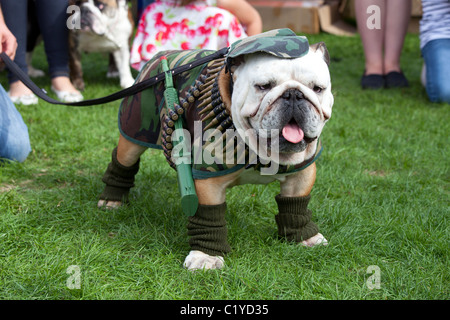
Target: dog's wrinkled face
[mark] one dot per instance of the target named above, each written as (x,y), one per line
(284,99)
(97,15)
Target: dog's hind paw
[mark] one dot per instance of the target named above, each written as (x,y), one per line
(35,73)
(113,74)
(197,260)
(316,240)
(109,205)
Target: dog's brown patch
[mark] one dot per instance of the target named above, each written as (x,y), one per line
(224,88)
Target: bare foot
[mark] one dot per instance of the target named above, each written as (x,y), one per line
(63,84)
(373,68)
(17,89)
(20,94)
(65,91)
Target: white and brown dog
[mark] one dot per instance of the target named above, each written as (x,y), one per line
(101,26)
(281,97)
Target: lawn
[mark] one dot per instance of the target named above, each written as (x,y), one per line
(381,199)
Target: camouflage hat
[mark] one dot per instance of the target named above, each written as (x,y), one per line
(283,43)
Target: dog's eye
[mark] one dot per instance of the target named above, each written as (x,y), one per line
(99,5)
(317,89)
(264,87)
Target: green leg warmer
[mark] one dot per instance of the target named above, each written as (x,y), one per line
(208,231)
(294,219)
(118,179)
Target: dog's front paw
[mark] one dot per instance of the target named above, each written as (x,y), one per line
(126,82)
(200,260)
(109,205)
(78,83)
(316,240)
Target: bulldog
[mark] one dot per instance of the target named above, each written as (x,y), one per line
(273,93)
(101,26)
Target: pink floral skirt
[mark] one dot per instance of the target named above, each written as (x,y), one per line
(165,25)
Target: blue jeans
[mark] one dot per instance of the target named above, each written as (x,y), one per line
(436,54)
(51,16)
(14,139)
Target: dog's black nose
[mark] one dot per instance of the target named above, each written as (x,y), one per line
(293,95)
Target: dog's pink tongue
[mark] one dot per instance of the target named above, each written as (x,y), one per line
(292,133)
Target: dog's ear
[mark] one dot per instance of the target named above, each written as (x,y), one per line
(321,47)
(233,63)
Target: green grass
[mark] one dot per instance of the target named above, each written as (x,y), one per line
(381,198)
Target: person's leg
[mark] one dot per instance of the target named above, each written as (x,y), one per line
(372,38)
(52,18)
(398,14)
(435,54)
(14,139)
(52,22)
(370,19)
(15,14)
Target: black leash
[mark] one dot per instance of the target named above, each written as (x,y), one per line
(137,87)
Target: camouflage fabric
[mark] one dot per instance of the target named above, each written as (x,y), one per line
(140,115)
(282,43)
